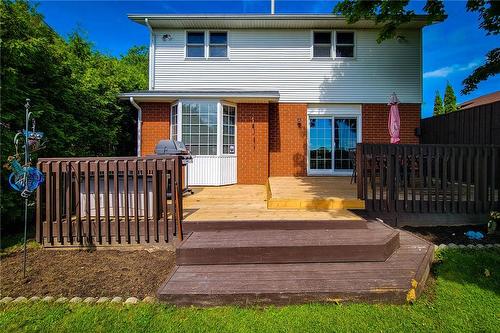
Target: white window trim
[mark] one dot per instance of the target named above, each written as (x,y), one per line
(235,129)
(206,46)
(186,44)
(178,104)
(353,45)
(333,51)
(220,124)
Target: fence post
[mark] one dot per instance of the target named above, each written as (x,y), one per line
(178,196)
(360,172)
(38,218)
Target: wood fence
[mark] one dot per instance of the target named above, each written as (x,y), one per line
(478,125)
(435,179)
(109,201)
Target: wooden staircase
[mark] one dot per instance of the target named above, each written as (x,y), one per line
(284,262)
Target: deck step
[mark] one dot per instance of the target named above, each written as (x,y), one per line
(194,226)
(287,246)
(380,281)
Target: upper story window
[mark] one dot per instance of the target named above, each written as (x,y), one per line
(344,45)
(322,44)
(198,46)
(218,45)
(195,44)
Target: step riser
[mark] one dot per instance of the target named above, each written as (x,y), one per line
(287,254)
(389,296)
(198,226)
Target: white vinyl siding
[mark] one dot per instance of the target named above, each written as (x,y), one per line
(281,60)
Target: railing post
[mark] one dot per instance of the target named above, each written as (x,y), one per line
(38,217)
(360,171)
(178,196)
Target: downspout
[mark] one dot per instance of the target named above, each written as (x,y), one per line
(151,55)
(139,125)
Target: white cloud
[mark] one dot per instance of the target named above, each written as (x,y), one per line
(445,71)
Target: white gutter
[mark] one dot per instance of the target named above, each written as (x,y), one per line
(151,55)
(139,125)
(272,7)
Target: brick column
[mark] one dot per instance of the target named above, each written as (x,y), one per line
(252,143)
(288,139)
(155,125)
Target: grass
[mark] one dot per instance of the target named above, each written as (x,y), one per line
(465,297)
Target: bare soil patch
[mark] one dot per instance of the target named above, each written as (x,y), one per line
(455,235)
(85,273)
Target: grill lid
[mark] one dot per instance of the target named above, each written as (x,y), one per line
(170,147)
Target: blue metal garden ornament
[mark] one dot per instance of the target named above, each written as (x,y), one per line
(25,178)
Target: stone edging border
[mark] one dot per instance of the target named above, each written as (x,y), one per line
(462,246)
(74,300)
(149,299)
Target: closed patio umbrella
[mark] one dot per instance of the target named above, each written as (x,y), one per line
(394,122)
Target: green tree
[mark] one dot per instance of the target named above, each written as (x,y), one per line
(73,91)
(450,100)
(392,14)
(438,104)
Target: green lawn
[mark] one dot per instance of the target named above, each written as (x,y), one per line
(462,299)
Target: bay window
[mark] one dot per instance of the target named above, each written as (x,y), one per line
(205,127)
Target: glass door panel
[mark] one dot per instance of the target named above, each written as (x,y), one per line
(320,145)
(345,134)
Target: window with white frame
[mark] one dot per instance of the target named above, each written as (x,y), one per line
(322,44)
(344,44)
(228,129)
(199,127)
(217,44)
(195,44)
(173,122)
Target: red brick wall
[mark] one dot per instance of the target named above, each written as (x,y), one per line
(375,117)
(252,143)
(155,125)
(288,139)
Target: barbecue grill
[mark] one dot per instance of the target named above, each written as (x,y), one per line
(176,148)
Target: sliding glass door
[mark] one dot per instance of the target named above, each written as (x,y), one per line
(331,140)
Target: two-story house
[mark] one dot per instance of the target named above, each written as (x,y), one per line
(254,96)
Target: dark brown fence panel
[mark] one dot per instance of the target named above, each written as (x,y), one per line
(109,201)
(423,179)
(479,125)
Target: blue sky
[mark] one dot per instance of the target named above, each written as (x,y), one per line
(451,49)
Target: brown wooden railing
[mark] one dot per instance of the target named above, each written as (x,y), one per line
(82,201)
(463,179)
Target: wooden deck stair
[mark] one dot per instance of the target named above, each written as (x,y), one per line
(372,262)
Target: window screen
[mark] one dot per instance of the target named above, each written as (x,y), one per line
(344,47)
(218,45)
(322,45)
(195,44)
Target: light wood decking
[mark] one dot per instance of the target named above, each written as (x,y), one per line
(248,203)
(313,193)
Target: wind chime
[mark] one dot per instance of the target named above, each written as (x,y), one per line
(25,178)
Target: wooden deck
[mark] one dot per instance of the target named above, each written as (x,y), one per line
(248,203)
(232,272)
(313,193)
